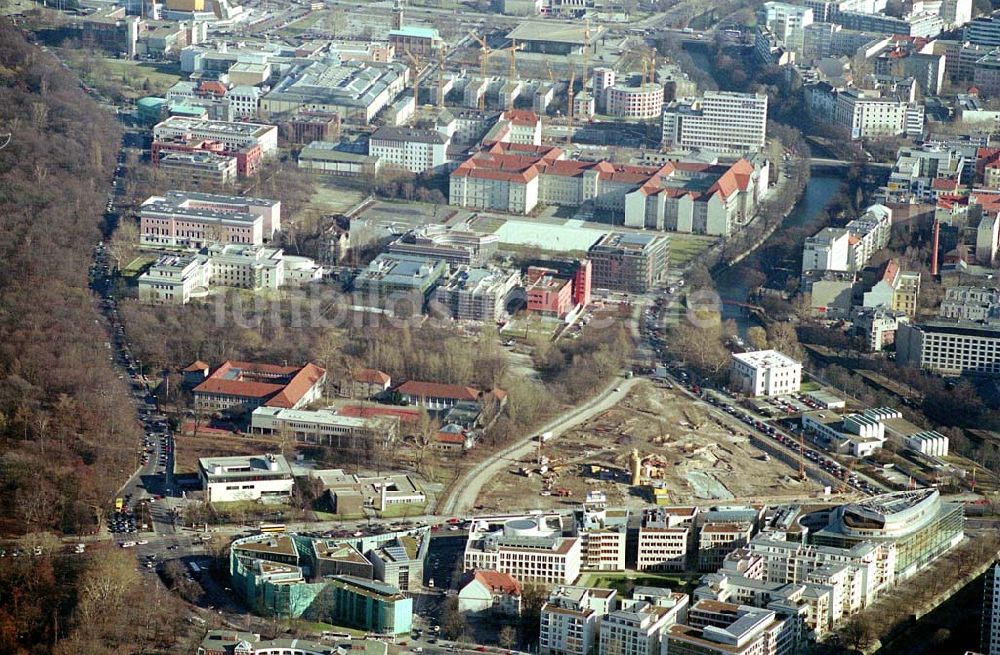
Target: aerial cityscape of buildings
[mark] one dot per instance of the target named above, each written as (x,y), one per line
(570,327)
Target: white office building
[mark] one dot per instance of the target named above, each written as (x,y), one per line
(666,538)
(175,279)
(235,135)
(787,22)
(182,219)
(721,121)
(765,373)
(413,149)
(245,478)
(529,548)
(950,347)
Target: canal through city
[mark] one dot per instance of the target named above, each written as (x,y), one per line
(731,283)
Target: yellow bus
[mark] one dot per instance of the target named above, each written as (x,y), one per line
(119,503)
(272,527)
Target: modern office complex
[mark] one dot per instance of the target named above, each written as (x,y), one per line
(630,262)
(715,628)
(920,525)
(530,548)
(227,479)
(950,347)
(234,136)
(392,279)
(989,642)
(722,121)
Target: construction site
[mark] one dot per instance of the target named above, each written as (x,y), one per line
(655,447)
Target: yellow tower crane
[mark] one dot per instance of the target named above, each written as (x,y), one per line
(440,98)
(415,74)
(569,104)
(484,55)
(511,51)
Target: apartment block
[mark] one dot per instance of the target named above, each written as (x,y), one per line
(827,250)
(570,620)
(629,261)
(637,627)
(765,373)
(476,294)
(722,121)
(787,22)
(895,289)
(412,149)
(718,539)
(715,628)
(666,539)
(202,170)
(869,114)
(970,303)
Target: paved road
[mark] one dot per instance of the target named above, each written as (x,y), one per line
(469,485)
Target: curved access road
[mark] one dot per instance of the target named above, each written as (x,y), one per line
(467,487)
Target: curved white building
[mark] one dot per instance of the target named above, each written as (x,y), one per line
(918,522)
(642,101)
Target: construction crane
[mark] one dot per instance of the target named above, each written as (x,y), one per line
(649,68)
(484,55)
(569,105)
(440,98)
(511,51)
(415,74)
(586,63)
(802,456)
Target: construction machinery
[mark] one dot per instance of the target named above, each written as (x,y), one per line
(569,105)
(484,57)
(440,89)
(586,63)
(511,50)
(415,76)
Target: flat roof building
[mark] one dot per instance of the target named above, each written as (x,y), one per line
(629,261)
(193,220)
(391,281)
(765,373)
(950,347)
(261,477)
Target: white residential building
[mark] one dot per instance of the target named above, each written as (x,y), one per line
(715,628)
(570,620)
(530,548)
(243,478)
(637,627)
(415,150)
(721,121)
(787,22)
(666,538)
(970,303)
(826,250)
(765,373)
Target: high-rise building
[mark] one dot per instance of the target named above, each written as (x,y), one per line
(989,642)
(786,21)
(723,121)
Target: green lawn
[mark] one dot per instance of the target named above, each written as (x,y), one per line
(809,386)
(137,265)
(136,75)
(620,581)
(523,327)
(685,247)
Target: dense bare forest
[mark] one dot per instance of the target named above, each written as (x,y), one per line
(68,434)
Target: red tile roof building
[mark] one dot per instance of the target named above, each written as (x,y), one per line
(677,196)
(244,386)
(486,591)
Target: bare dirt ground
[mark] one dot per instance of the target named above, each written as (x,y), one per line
(191,449)
(684,449)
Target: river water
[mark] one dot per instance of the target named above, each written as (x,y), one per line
(731,284)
